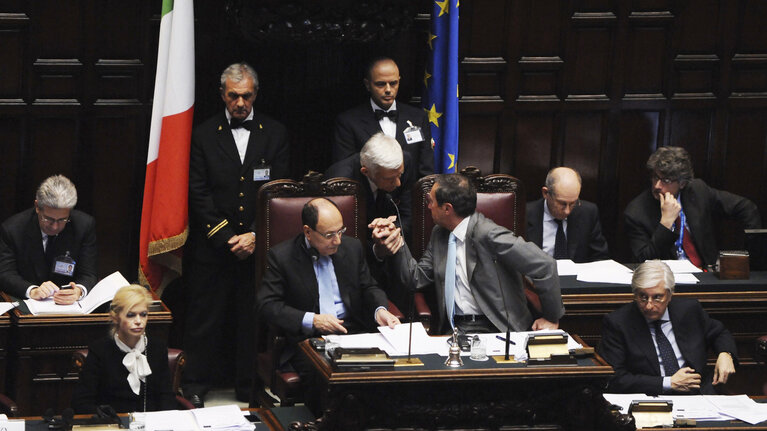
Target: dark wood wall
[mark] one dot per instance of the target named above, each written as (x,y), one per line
(596,85)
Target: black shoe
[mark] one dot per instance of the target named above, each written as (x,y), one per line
(196,401)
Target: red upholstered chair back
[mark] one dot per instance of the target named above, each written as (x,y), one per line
(500,198)
(279,210)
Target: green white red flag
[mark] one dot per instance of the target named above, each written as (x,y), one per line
(164,217)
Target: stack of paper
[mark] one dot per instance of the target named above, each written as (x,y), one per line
(100,294)
(701,407)
(7,306)
(228,417)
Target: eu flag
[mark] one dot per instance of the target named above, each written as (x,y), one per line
(441,79)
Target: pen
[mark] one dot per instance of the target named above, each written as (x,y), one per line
(504,339)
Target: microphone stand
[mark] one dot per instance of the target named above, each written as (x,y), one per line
(411,309)
(506,310)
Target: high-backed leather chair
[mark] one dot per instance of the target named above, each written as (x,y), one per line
(279,213)
(500,197)
(176,363)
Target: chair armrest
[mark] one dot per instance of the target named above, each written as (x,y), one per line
(183,403)
(760,349)
(9,406)
(395,311)
(423,310)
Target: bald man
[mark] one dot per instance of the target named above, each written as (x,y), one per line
(562,224)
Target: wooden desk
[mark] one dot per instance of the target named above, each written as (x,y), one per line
(741,305)
(480,394)
(40,372)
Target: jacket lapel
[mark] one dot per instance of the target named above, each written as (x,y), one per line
(643,338)
(535,232)
(255,151)
(471,251)
(305,268)
(35,239)
(225,139)
(342,277)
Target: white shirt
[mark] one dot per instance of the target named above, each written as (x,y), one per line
(45,246)
(550,230)
(241,135)
(464,298)
(388,126)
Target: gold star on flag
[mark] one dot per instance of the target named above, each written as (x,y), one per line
(443,7)
(434,115)
(426,76)
(431,37)
(452,161)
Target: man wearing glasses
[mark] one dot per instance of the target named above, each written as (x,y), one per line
(319,283)
(563,225)
(676,217)
(49,250)
(659,343)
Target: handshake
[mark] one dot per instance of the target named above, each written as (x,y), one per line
(387,237)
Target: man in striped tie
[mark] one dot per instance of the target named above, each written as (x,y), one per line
(658,344)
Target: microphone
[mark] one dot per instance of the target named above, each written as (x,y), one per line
(411,306)
(314,253)
(505,309)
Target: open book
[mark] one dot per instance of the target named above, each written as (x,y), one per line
(100,294)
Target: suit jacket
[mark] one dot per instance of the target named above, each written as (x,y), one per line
(222,190)
(354,127)
(103,380)
(22,259)
(703,207)
(627,345)
(493,255)
(289,288)
(585,242)
(402,196)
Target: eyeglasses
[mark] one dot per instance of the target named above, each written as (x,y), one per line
(656,178)
(52,221)
(331,235)
(655,299)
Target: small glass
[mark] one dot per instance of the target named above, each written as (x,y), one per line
(137,421)
(478,349)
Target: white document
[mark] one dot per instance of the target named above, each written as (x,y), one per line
(6,307)
(682,266)
(701,407)
(101,293)
(222,417)
(399,337)
(176,420)
(361,341)
(566,267)
(12,424)
(739,406)
(685,278)
(604,271)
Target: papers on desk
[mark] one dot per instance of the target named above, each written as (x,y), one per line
(610,271)
(6,307)
(701,407)
(11,424)
(100,294)
(395,341)
(228,417)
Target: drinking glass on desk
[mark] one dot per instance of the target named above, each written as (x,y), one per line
(478,349)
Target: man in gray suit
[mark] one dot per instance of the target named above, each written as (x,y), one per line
(475,265)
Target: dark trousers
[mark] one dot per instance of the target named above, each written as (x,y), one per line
(218,329)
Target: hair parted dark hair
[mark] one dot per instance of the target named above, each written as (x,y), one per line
(457,190)
(671,162)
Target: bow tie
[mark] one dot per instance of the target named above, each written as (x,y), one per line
(391,114)
(236,124)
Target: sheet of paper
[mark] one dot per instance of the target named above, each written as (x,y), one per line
(101,293)
(399,338)
(566,267)
(222,417)
(683,266)
(685,278)
(739,406)
(604,271)
(362,341)
(176,420)
(7,306)
(700,407)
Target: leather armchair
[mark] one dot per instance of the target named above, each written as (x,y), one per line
(176,363)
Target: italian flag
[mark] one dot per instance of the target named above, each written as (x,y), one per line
(164,217)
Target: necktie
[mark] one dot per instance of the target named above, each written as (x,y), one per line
(49,249)
(450,279)
(560,243)
(236,124)
(687,245)
(667,355)
(325,282)
(391,114)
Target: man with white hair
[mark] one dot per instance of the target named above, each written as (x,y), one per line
(386,176)
(659,344)
(49,250)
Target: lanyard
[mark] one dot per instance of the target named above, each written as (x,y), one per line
(680,254)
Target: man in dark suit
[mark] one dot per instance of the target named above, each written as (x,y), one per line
(658,344)
(232,155)
(49,250)
(386,178)
(475,266)
(561,224)
(407,124)
(676,202)
(319,283)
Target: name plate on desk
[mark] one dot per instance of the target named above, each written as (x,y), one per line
(547,350)
(368,359)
